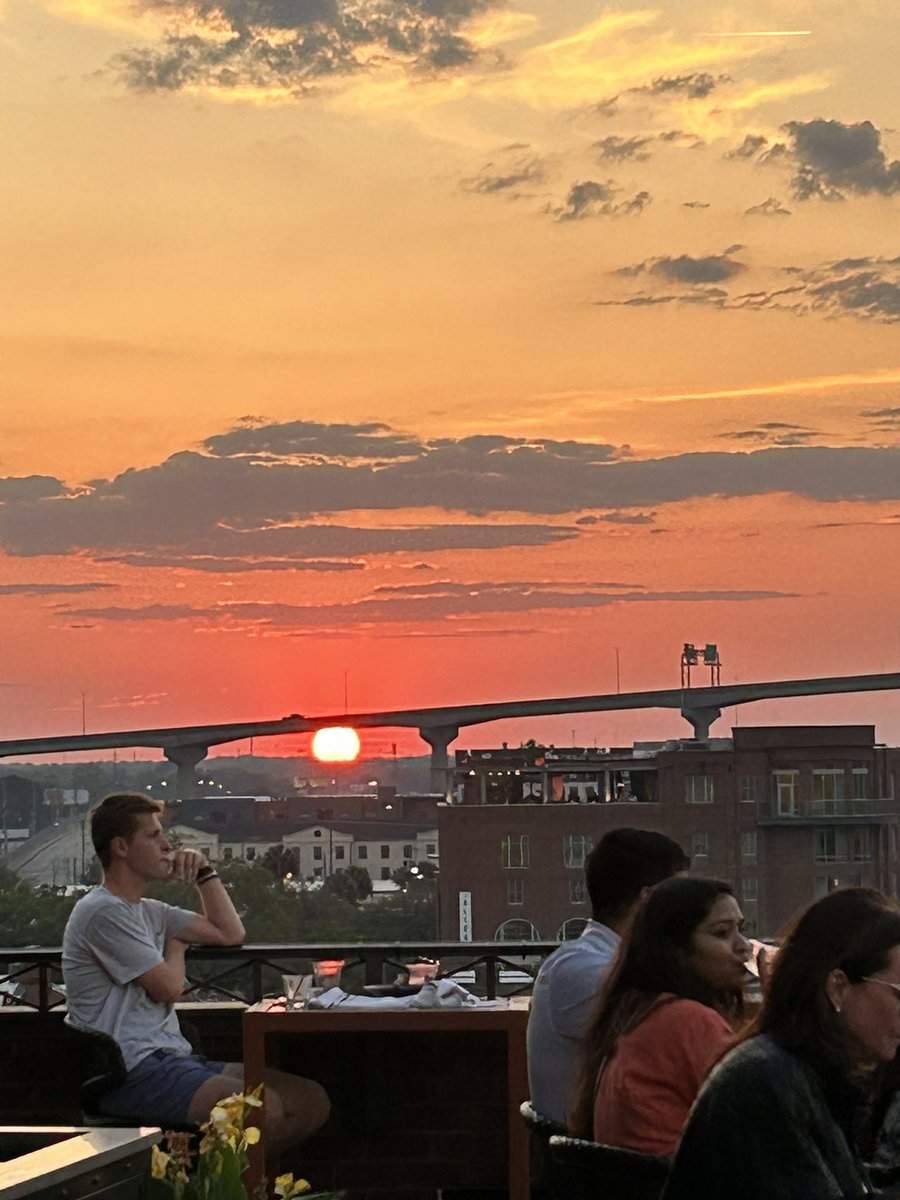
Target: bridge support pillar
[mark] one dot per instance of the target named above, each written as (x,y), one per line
(439,738)
(701,719)
(186,759)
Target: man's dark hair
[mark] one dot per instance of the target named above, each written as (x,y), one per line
(117,816)
(623,863)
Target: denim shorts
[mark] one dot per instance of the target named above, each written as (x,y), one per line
(159,1090)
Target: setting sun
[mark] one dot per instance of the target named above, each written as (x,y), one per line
(336,744)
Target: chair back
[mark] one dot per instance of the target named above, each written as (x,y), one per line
(592,1171)
(103,1068)
(541,1129)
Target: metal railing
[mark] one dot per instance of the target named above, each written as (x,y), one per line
(827,810)
(31,977)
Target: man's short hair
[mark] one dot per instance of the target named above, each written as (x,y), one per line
(117,816)
(623,863)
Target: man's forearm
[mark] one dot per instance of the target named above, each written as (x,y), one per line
(219,910)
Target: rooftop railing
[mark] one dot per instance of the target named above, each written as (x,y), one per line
(31,977)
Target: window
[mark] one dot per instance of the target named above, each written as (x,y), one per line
(860,776)
(785,786)
(385,852)
(577,891)
(515,891)
(516,931)
(748,844)
(431,847)
(339,852)
(700,845)
(250,854)
(317,853)
(407,852)
(749,889)
(828,783)
(572,928)
(750,788)
(385,872)
(837,844)
(698,789)
(362,852)
(576,847)
(514,850)
(228,853)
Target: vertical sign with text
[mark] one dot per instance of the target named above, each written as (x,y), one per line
(465,916)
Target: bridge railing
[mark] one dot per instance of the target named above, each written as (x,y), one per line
(31,977)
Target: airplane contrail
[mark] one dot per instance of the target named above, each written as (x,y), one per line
(764,33)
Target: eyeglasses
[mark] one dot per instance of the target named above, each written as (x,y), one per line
(895,987)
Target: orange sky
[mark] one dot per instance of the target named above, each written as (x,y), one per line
(447,348)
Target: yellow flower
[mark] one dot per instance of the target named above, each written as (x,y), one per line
(287,1187)
(159,1161)
(251,1135)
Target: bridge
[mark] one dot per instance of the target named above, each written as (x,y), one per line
(187,746)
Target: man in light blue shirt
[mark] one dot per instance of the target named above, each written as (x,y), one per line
(620,869)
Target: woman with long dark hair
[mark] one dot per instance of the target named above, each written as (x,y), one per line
(778,1117)
(665,1015)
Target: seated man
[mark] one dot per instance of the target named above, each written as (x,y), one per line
(123,964)
(619,870)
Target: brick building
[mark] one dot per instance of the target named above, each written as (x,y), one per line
(783,813)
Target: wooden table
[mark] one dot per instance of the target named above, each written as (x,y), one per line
(264,1024)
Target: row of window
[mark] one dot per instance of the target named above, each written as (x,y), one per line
(515,852)
(515,891)
(832,844)
(828,783)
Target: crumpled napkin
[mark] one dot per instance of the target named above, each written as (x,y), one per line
(437,993)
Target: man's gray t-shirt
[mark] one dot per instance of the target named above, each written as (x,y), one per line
(107,944)
(563,997)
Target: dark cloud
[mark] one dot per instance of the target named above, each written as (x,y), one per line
(449,602)
(295,44)
(616,149)
(774,433)
(239,512)
(313,440)
(749,147)
(865,289)
(696,86)
(30,487)
(592,199)
(618,518)
(52,589)
(685,268)
(887,419)
(695,204)
(509,175)
(833,158)
(769,208)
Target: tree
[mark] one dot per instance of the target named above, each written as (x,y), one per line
(350,883)
(281,861)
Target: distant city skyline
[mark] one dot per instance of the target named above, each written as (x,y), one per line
(402,355)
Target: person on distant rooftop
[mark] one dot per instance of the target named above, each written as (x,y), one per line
(123,964)
(619,871)
(667,1013)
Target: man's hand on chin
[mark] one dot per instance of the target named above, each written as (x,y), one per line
(185,864)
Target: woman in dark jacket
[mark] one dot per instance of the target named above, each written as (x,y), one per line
(777,1119)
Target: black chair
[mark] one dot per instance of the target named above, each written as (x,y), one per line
(541,1129)
(102,1069)
(591,1171)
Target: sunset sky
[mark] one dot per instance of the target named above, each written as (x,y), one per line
(442,349)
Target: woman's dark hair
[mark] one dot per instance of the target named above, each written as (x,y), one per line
(654,958)
(852,929)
